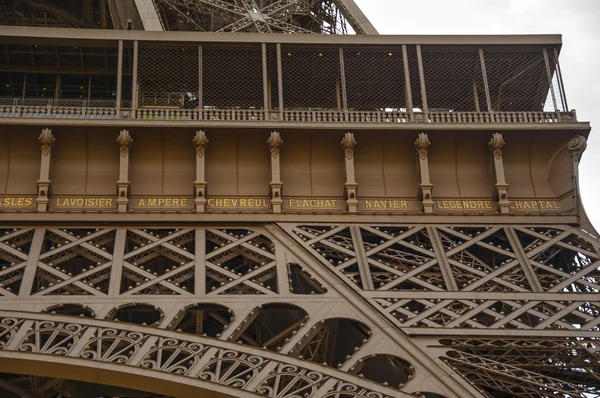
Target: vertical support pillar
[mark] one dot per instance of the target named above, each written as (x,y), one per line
(485,80)
(116,274)
(119,78)
(201,141)
(125,141)
(32,262)
(549,74)
(275,142)
(200,262)
(279,81)
(407,85)
(426,188)
(361,258)
(422,81)
(351,187)
(501,192)
(343,79)
(265,77)
(47,140)
(134,79)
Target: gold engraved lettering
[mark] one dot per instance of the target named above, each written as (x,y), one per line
(534,204)
(16,202)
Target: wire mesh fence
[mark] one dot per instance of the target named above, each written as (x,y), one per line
(311,78)
(374,78)
(168,76)
(454,80)
(517,79)
(232,77)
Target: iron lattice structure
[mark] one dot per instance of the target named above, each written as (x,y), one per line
(263,16)
(253,305)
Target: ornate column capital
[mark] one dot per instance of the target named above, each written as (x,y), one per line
(348,144)
(125,141)
(496,144)
(275,142)
(421,145)
(577,145)
(47,140)
(201,142)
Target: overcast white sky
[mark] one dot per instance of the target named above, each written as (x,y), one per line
(577,20)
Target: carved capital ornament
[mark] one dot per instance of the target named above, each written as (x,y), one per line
(275,142)
(124,139)
(496,144)
(201,142)
(348,144)
(47,140)
(421,144)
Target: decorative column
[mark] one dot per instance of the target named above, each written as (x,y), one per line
(125,141)
(348,144)
(47,140)
(201,142)
(421,144)
(496,144)
(275,142)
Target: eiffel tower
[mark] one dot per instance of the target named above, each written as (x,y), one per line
(191,209)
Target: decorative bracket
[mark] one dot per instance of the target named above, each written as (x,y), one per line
(275,143)
(125,141)
(577,145)
(201,142)
(47,141)
(351,186)
(426,188)
(501,192)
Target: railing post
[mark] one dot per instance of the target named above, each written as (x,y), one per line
(280,81)
(561,84)
(343,81)
(265,76)
(200,99)
(422,80)
(134,79)
(485,80)
(407,85)
(119,78)
(549,74)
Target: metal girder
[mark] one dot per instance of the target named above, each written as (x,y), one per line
(283,16)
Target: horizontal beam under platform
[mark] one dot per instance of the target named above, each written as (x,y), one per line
(49,34)
(578,127)
(472,333)
(446,295)
(221,218)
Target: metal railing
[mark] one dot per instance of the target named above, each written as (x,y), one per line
(92,111)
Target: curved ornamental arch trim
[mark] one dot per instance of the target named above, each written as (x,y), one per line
(193,358)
